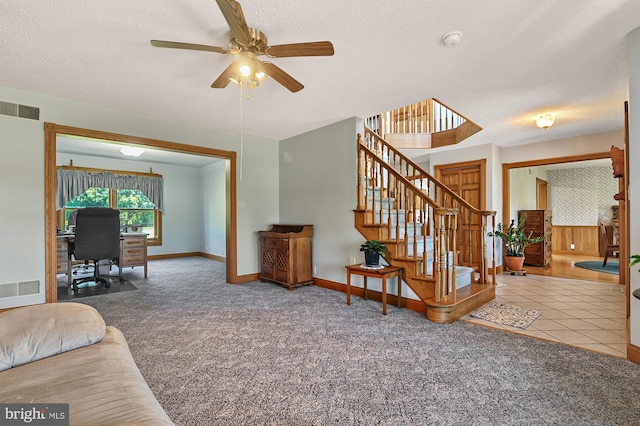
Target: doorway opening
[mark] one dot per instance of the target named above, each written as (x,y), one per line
(52,130)
(575,209)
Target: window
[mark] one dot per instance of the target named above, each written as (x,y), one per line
(137,213)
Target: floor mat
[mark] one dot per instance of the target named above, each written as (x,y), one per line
(511,315)
(84,290)
(595,265)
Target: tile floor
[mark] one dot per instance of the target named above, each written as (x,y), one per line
(585,314)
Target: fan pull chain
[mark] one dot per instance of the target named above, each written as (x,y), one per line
(241,136)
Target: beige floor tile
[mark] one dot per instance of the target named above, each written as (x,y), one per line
(539,334)
(554,313)
(571,337)
(604,336)
(605,349)
(576,324)
(583,313)
(543,324)
(607,324)
(620,347)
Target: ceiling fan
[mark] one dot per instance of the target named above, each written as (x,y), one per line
(247,44)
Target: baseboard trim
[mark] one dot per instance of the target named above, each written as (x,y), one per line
(247,278)
(186,254)
(412,304)
(213,257)
(633,353)
(173,255)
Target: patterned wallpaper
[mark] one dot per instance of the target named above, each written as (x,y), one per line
(581,196)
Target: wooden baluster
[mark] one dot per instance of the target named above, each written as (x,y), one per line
(454,250)
(360,173)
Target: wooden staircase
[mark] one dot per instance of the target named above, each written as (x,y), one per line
(436,236)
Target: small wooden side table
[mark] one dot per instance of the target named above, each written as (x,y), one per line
(381,273)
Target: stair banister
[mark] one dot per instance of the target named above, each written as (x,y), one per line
(445,197)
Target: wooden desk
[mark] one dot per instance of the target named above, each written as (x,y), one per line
(382,274)
(133,252)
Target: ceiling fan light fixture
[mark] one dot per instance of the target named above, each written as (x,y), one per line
(245,70)
(545,121)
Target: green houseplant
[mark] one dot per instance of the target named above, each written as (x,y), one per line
(634,260)
(372,250)
(515,239)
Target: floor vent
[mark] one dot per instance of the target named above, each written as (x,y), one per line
(19,289)
(17,110)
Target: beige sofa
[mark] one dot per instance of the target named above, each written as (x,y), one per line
(64,353)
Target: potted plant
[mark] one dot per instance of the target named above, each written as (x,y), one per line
(372,250)
(515,239)
(634,260)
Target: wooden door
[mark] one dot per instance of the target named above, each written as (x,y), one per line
(468,181)
(541,194)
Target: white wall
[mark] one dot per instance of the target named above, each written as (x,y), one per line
(214,208)
(318,186)
(633,40)
(22,217)
(23,151)
(588,144)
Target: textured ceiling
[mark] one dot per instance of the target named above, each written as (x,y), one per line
(516,59)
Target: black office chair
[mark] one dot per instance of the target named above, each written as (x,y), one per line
(97,237)
(71,225)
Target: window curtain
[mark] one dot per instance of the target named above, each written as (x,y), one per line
(71,183)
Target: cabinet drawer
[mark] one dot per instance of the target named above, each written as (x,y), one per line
(132,261)
(133,242)
(277,243)
(62,245)
(131,252)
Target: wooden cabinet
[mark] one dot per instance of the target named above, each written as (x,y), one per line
(538,221)
(285,255)
(63,262)
(133,250)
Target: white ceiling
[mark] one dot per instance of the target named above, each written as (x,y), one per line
(516,59)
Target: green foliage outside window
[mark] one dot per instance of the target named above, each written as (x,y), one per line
(135,208)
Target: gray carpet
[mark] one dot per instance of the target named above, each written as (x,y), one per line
(257,354)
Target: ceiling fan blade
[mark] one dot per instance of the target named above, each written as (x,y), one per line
(188,46)
(223,79)
(316,48)
(234,16)
(282,77)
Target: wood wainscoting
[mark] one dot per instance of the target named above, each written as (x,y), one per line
(584,238)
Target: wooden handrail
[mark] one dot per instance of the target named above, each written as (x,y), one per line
(391,185)
(422,174)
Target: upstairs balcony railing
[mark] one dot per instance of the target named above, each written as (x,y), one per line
(424,124)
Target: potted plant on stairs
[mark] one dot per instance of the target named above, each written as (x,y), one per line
(372,250)
(515,239)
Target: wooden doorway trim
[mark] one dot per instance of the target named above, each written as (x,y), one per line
(51,130)
(506,187)
(541,194)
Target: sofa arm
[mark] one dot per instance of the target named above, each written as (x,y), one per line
(34,332)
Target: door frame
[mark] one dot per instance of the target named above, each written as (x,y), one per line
(506,191)
(51,131)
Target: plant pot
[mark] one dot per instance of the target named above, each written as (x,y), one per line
(371,259)
(514,263)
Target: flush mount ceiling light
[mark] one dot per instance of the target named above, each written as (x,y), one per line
(545,121)
(452,38)
(131,151)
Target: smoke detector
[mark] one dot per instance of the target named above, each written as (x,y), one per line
(452,38)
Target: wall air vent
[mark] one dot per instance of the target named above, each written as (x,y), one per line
(17,110)
(19,289)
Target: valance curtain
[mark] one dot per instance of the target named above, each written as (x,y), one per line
(71,183)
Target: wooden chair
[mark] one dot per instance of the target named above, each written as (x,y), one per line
(607,247)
